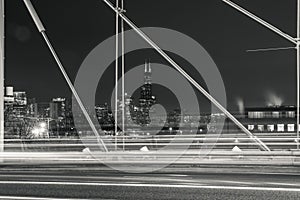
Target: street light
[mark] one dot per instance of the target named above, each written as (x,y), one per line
(35,132)
(39,130)
(43,125)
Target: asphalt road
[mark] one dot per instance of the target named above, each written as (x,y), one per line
(98,182)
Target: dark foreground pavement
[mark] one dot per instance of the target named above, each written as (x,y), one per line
(98,182)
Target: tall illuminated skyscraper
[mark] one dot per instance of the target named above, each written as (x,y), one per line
(147,73)
(146,98)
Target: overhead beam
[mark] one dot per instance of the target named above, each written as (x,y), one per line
(271,49)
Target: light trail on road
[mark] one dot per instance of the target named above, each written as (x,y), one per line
(169,183)
(154,185)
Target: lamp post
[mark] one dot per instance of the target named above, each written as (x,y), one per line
(1,75)
(116,74)
(123,75)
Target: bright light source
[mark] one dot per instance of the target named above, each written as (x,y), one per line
(43,125)
(35,131)
(41,130)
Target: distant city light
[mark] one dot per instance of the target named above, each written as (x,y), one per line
(43,125)
(41,130)
(35,132)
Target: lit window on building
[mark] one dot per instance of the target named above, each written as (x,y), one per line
(256,115)
(290,114)
(270,127)
(268,114)
(250,115)
(259,115)
(280,127)
(291,127)
(260,128)
(275,114)
(250,127)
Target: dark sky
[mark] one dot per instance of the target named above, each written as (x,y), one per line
(76,26)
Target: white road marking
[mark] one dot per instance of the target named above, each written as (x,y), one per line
(178,175)
(39,198)
(50,170)
(236,182)
(287,184)
(154,185)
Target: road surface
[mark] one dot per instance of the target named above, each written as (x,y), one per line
(98,182)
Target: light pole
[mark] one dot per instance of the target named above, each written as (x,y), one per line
(123,75)
(116,74)
(2,75)
(120,9)
(298,70)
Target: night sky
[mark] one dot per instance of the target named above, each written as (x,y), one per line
(76,26)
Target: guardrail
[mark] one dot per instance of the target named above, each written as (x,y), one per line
(190,157)
(152,142)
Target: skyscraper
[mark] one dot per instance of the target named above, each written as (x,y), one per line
(146,100)
(147,73)
(20,103)
(58,108)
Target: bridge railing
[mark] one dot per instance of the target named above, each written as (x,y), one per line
(153,143)
(191,157)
